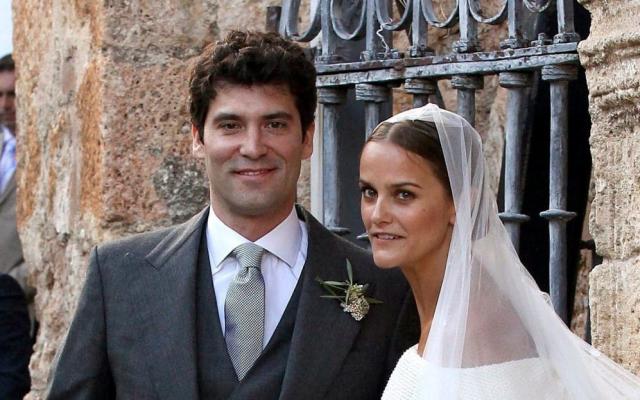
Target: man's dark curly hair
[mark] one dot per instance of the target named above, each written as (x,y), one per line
(7,64)
(252,58)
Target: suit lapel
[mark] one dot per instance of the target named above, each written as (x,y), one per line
(323,333)
(11,186)
(168,307)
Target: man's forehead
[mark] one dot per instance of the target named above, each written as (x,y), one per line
(263,101)
(7,80)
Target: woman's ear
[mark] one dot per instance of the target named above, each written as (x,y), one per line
(452,213)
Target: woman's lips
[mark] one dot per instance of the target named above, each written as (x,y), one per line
(384,236)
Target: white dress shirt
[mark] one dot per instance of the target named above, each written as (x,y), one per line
(286,253)
(7,157)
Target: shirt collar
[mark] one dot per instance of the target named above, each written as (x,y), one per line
(6,134)
(283,241)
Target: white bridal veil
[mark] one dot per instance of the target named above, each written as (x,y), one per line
(494,333)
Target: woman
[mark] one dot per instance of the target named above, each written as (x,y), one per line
(487,331)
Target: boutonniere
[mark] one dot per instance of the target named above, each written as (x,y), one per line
(351,295)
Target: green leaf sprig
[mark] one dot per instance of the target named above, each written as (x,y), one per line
(352,295)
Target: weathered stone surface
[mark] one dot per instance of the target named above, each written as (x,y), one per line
(614,297)
(105,145)
(611,57)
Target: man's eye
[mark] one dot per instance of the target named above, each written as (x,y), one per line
(229,125)
(276,125)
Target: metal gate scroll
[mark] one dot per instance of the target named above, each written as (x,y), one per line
(418,69)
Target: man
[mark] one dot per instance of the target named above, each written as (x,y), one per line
(227,305)
(15,343)
(11,261)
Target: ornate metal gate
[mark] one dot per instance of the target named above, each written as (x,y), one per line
(524,55)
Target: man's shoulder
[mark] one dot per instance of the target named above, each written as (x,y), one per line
(360,258)
(332,242)
(140,245)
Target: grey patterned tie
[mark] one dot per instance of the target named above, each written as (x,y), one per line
(244,310)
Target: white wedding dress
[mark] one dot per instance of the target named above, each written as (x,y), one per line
(526,379)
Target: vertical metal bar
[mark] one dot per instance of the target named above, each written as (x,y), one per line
(419,41)
(421,89)
(468,41)
(566,29)
(329,39)
(516,39)
(374,46)
(373,96)
(273,18)
(330,99)
(558,77)
(516,84)
(467,86)
(371,116)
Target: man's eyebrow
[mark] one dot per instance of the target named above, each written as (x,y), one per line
(226,116)
(278,114)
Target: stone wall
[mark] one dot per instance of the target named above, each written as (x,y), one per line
(105,141)
(611,58)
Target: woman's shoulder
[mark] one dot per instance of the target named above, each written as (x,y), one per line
(404,378)
(525,379)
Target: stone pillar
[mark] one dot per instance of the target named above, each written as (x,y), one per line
(611,57)
(104,146)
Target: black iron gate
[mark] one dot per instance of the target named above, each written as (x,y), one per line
(525,56)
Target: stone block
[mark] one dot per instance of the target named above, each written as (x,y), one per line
(611,58)
(614,297)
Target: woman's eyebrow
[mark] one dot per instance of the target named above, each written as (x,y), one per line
(401,184)
(362,182)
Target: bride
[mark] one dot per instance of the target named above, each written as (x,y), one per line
(487,331)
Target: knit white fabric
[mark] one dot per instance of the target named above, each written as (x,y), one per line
(528,379)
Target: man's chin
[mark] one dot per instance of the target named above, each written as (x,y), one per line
(258,207)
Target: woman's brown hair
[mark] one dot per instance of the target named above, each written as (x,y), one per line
(418,137)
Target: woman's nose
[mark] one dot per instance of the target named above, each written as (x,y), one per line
(380,213)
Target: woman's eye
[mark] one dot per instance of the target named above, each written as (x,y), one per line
(404,195)
(368,192)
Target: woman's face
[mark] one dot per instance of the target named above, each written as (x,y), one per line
(408,214)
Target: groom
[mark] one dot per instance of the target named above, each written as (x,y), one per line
(227,305)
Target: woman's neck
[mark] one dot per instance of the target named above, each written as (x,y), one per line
(425,281)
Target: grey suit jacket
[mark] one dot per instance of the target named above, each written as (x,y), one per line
(133,335)
(11,261)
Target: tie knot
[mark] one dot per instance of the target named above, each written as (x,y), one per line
(249,255)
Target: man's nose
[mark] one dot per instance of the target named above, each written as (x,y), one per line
(253,145)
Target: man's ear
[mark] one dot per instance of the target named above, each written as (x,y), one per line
(197,146)
(307,143)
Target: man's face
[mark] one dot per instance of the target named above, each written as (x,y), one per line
(252,147)
(7,100)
